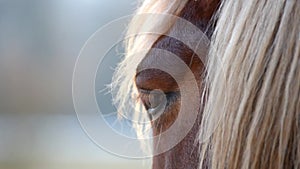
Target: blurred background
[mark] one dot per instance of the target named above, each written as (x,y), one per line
(39,43)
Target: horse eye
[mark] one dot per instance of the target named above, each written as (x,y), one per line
(151,98)
(156,101)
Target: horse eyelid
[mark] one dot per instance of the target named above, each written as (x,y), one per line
(144,97)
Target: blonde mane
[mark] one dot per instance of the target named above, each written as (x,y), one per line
(253,78)
(136,47)
(251,117)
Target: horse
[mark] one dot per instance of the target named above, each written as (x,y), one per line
(248,115)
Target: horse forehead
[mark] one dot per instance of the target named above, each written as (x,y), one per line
(190,36)
(188,39)
(199,10)
(184,39)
